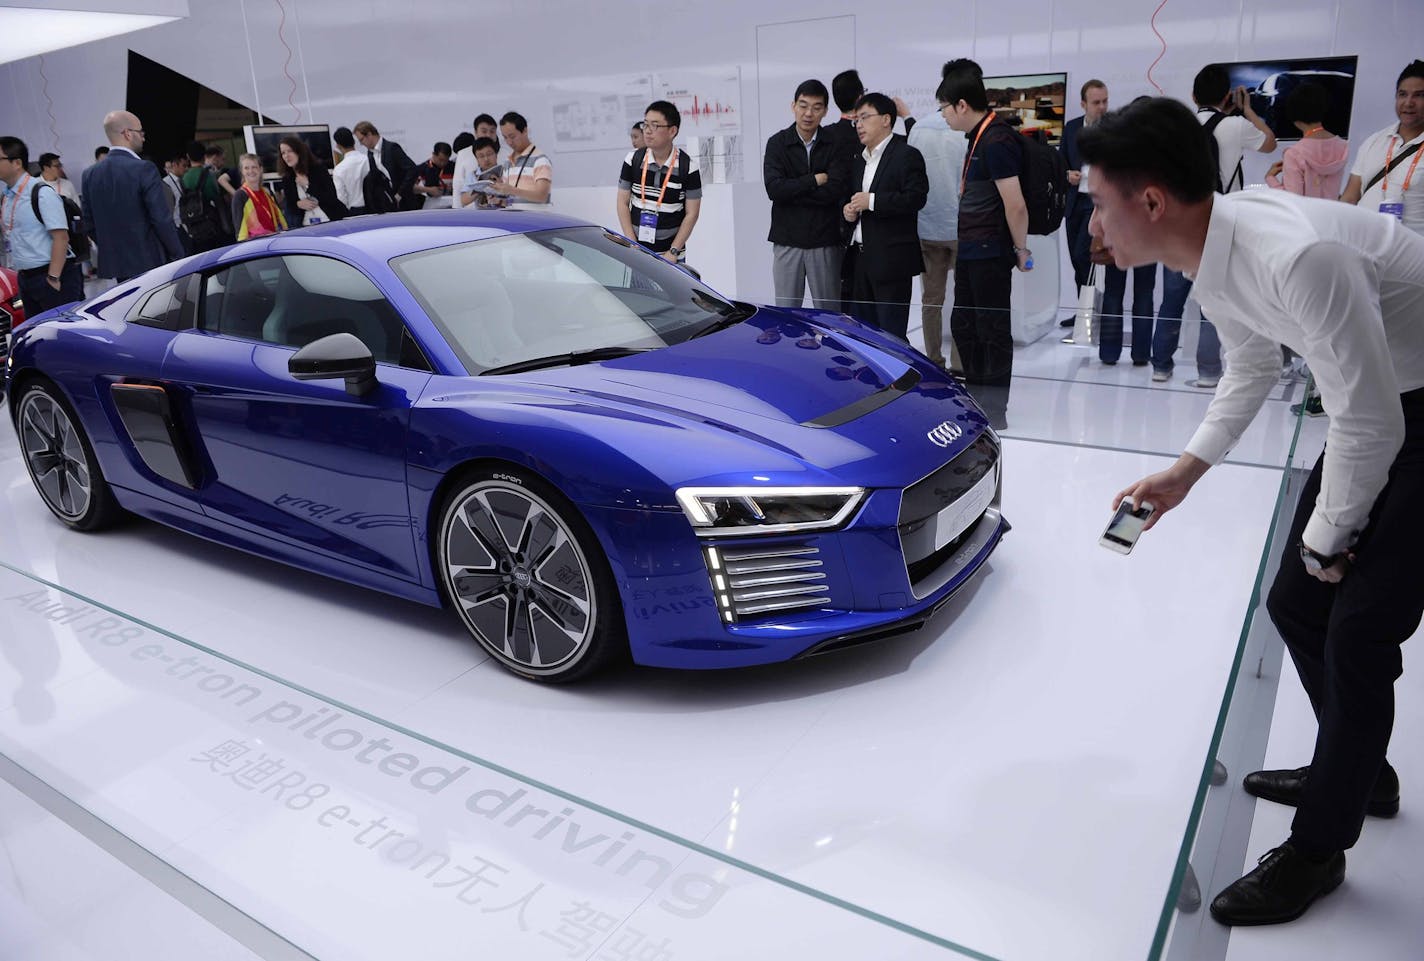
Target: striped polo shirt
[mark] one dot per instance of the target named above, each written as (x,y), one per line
(670,213)
(522,170)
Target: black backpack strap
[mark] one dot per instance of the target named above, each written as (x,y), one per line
(35,206)
(1392,164)
(1210,127)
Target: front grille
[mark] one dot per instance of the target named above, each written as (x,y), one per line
(753,581)
(928,506)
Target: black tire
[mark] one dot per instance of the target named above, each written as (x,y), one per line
(61,460)
(527,577)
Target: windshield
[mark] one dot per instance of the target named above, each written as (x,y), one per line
(517,298)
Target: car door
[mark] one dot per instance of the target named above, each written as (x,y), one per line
(303,463)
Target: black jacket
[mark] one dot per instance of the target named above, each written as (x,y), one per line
(803,213)
(320,187)
(890,232)
(402,171)
(1068,147)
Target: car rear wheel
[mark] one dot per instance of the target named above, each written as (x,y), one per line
(527,577)
(61,461)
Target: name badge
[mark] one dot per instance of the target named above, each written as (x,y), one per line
(647,226)
(1395,209)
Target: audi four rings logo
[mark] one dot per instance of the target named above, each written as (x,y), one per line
(945,434)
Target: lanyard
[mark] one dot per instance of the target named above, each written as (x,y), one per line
(1389,159)
(15,207)
(964,175)
(667,176)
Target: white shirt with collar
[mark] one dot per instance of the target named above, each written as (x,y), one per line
(347,175)
(1344,288)
(375,151)
(1370,161)
(872,164)
(464,163)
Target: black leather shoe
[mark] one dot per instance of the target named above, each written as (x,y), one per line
(1280,889)
(1287,787)
(1068,321)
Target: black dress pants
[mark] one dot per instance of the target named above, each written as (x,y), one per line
(879,302)
(1345,640)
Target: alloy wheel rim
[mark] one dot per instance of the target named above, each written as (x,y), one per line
(519,579)
(55,456)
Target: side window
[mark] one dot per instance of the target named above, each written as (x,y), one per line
(297,299)
(167,308)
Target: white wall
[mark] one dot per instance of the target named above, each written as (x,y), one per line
(420,72)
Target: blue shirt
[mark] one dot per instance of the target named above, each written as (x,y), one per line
(29,239)
(943,150)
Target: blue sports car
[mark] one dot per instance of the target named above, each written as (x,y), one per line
(579,447)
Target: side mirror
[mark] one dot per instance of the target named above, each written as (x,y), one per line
(336,355)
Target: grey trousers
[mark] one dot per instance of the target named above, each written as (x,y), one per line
(793,268)
(939,256)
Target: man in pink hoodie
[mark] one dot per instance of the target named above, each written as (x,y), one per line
(1315,166)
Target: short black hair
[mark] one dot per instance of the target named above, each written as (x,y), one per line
(15,149)
(847,88)
(483,118)
(101,152)
(344,138)
(214,150)
(1415,71)
(812,89)
(441,147)
(1153,140)
(196,151)
(963,79)
(46,159)
(668,110)
(636,126)
(1306,103)
(484,143)
(462,140)
(1211,85)
(516,119)
(878,102)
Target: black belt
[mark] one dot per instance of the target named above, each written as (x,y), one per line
(32,271)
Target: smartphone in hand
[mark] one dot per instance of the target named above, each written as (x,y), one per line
(1126,525)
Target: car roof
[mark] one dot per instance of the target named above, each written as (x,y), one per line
(390,235)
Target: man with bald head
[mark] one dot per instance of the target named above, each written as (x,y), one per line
(127,210)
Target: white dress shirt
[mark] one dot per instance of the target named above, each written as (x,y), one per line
(348,176)
(1344,288)
(464,163)
(872,163)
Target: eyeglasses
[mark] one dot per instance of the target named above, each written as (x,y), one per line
(864,118)
(653,125)
(137,130)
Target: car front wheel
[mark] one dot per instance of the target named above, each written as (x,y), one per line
(61,461)
(527,576)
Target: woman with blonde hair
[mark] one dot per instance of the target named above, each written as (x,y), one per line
(254,210)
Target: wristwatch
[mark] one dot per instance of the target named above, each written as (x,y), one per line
(677,251)
(1314,560)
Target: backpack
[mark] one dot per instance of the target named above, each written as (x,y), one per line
(1044,182)
(376,191)
(1215,148)
(200,215)
(73,216)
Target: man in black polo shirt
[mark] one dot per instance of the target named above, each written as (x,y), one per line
(807,178)
(660,187)
(993,237)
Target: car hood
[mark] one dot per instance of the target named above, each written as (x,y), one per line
(775,366)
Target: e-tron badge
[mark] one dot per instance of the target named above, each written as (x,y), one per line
(945,434)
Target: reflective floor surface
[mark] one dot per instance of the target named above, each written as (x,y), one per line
(347,770)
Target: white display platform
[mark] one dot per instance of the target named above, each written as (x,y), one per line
(1013,781)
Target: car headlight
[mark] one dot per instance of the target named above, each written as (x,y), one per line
(720,511)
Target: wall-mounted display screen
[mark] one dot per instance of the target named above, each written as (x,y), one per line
(263,142)
(1270,83)
(1030,102)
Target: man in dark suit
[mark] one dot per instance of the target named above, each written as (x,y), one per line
(127,209)
(1080,206)
(891,186)
(390,158)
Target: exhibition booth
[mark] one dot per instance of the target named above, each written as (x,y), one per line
(204,753)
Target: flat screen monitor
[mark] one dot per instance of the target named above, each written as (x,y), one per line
(1030,102)
(263,141)
(1270,82)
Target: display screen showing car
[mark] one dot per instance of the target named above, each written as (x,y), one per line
(584,451)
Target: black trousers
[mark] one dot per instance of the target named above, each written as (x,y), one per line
(878,302)
(1345,640)
(980,321)
(39,296)
(1079,243)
